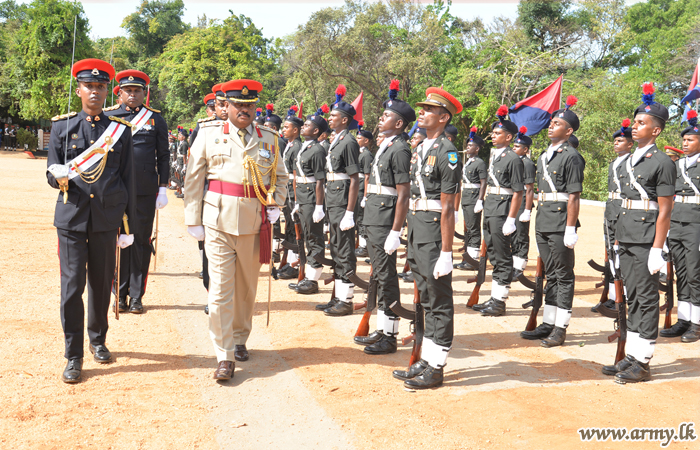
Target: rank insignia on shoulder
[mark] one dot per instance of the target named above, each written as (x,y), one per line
(452,157)
(63,116)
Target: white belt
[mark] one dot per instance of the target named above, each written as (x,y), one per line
(382,190)
(694,199)
(333,176)
(614,196)
(421,204)
(305,180)
(552,197)
(362,176)
(471,185)
(499,190)
(639,204)
(291,176)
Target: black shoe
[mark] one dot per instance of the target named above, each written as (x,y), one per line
(676,330)
(555,338)
(293,286)
(408,277)
(102,355)
(288,273)
(123,304)
(71,374)
(465,266)
(275,257)
(136,307)
(339,309)
(621,366)
(201,275)
(325,306)
(180,195)
(361,252)
(429,378)
(496,308)
(692,335)
(206,309)
(541,332)
(367,340)
(412,372)
(635,373)
(384,346)
(240,353)
(482,306)
(307,287)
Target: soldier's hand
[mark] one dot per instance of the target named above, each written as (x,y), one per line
(273,213)
(363,202)
(196,231)
(655,261)
(525,216)
(570,237)
(347,221)
(509,226)
(125,240)
(162,198)
(392,242)
(296,209)
(479,206)
(318,214)
(443,266)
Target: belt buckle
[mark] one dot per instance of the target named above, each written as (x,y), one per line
(645,203)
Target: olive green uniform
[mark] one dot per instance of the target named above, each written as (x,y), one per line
(473,172)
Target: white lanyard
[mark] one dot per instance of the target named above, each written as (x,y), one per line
(375,163)
(306,145)
(419,176)
(633,181)
(284,155)
(92,155)
(491,174)
(545,174)
(464,170)
(682,163)
(328,157)
(616,164)
(140,120)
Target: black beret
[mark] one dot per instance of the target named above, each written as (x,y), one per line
(649,106)
(451,129)
(624,131)
(573,140)
(402,108)
(693,124)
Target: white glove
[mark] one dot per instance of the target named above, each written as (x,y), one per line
(318,214)
(509,226)
(363,202)
(525,216)
(296,208)
(665,248)
(347,221)
(570,237)
(273,213)
(479,206)
(392,242)
(443,266)
(196,231)
(456,217)
(162,198)
(656,261)
(125,240)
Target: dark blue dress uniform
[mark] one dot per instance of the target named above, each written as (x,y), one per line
(151,160)
(88,224)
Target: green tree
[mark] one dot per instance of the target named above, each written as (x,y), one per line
(153,25)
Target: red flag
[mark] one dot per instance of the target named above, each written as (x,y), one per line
(357,104)
(535,111)
(301,110)
(694,80)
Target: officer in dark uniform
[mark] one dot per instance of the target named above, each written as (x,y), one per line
(503,197)
(91,161)
(309,193)
(323,140)
(521,238)
(182,154)
(435,176)
(291,130)
(417,137)
(474,174)
(365,139)
(560,182)
(151,155)
(388,191)
(648,180)
(342,186)
(684,238)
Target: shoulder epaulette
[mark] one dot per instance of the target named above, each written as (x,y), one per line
(112,108)
(122,121)
(264,128)
(207,119)
(211,123)
(151,109)
(63,116)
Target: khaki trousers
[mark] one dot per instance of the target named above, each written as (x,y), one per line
(234,268)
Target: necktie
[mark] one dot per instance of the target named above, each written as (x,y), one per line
(243,133)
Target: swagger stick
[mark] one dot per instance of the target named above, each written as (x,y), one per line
(155,247)
(269,280)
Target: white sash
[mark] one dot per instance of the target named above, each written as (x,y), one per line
(682,164)
(140,119)
(304,146)
(633,181)
(375,163)
(547,177)
(615,177)
(464,169)
(92,155)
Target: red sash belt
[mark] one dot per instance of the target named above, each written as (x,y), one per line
(232,189)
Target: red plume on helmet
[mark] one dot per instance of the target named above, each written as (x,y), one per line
(523,129)
(626,123)
(502,112)
(571,101)
(325,109)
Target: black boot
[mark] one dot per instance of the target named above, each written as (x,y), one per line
(495,308)
(387,344)
(325,306)
(71,374)
(621,366)
(367,340)
(123,305)
(361,252)
(339,309)
(136,307)
(555,338)
(676,330)
(307,287)
(516,273)
(541,332)
(429,378)
(101,354)
(482,306)
(635,373)
(692,335)
(288,273)
(412,372)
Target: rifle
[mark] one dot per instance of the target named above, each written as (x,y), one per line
(363,328)
(607,278)
(480,276)
(621,322)
(417,323)
(668,292)
(537,294)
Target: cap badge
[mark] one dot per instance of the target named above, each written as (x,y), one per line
(244,91)
(95,71)
(389,103)
(131,78)
(561,114)
(647,108)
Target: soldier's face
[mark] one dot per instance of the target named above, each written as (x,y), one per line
(380,139)
(290,131)
(241,114)
(691,144)
(271,125)
(520,149)
(500,137)
(337,120)
(309,130)
(132,96)
(432,117)
(472,149)
(389,122)
(416,140)
(644,128)
(211,111)
(559,129)
(362,141)
(92,94)
(622,145)
(221,109)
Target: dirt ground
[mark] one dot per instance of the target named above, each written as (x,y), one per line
(306,385)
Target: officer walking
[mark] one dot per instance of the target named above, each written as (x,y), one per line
(91,161)
(521,238)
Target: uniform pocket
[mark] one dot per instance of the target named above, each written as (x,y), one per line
(210,209)
(114,199)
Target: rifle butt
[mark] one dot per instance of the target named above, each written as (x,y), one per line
(360,305)
(415,354)
(620,352)
(667,319)
(363,328)
(531,321)
(474,297)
